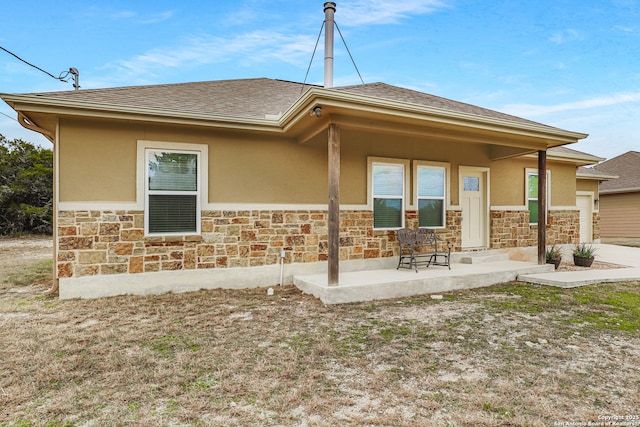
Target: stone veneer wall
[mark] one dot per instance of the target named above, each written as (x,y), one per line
(596,225)
(452,232)
(510,229)
(113,242)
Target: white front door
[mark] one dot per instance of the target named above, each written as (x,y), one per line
(584,203)
(473,201)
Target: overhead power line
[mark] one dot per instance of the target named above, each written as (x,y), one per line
(63,77)
(6,115)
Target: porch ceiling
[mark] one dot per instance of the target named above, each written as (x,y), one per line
(501,144)
(505,138)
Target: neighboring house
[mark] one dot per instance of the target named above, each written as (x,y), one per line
(196,185)
(620,198)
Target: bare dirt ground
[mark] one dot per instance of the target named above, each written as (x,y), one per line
(15,253)
(507,355)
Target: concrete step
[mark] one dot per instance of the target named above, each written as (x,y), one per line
(482,257)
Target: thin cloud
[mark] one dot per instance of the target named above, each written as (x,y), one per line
(253,47)
(121,15)
(529,110)
(567,35)
(157,17)
(368,12)
(624,28)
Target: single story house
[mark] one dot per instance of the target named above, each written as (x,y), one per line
(214,184)
(620,198)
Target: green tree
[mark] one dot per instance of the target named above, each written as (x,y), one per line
(26,187)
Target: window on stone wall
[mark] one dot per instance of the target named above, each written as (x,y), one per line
(532,194)
(172,192)
(388,194)
(431,194)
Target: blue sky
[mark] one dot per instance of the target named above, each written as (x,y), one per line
(574,64)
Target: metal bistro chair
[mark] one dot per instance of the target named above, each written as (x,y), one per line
(421,248)
(427,240)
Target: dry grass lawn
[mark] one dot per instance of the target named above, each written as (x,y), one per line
(508,355)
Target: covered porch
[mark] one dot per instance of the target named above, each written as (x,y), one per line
(357,127)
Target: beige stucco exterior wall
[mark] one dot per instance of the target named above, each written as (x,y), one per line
(508,184)
(98,162)
(357,146)
(587,185)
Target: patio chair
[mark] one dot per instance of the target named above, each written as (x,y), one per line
(412,250)
(428,244)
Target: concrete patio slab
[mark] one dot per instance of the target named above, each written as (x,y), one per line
(628,258)
(573,279)
(390,283)
(368,285)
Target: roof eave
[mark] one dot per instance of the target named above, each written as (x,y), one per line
(621,190)
(595,176)
(301,108)
(321,96)
(581,159)
(41,104)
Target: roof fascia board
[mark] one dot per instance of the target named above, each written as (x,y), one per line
(41,104)
(596,176)
(621,190)
(581,159)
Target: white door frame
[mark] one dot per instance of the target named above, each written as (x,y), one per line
(486,174)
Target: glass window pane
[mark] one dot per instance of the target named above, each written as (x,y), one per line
(388,180)
(173,171)
(430,213)
(471,183)
(532,185)
(172,214)
(533,211)
(387,213)
(430,182)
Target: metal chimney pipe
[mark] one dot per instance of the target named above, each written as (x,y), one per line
(329,24)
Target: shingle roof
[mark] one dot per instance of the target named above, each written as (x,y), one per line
(395,93)
(255,98)
(627,167)
(563,149)
(591,173)
(249,98)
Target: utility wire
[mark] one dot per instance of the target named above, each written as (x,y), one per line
(316,48)
(312,55)
(63,77)
(6,115)
(349,52)
(28,63)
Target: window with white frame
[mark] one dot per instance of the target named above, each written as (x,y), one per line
(532,194)
(172,191)
(431,193)
(388,194)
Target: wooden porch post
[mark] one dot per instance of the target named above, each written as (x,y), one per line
(542,206)
(334,204)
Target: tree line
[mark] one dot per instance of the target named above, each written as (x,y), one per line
(26,188)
